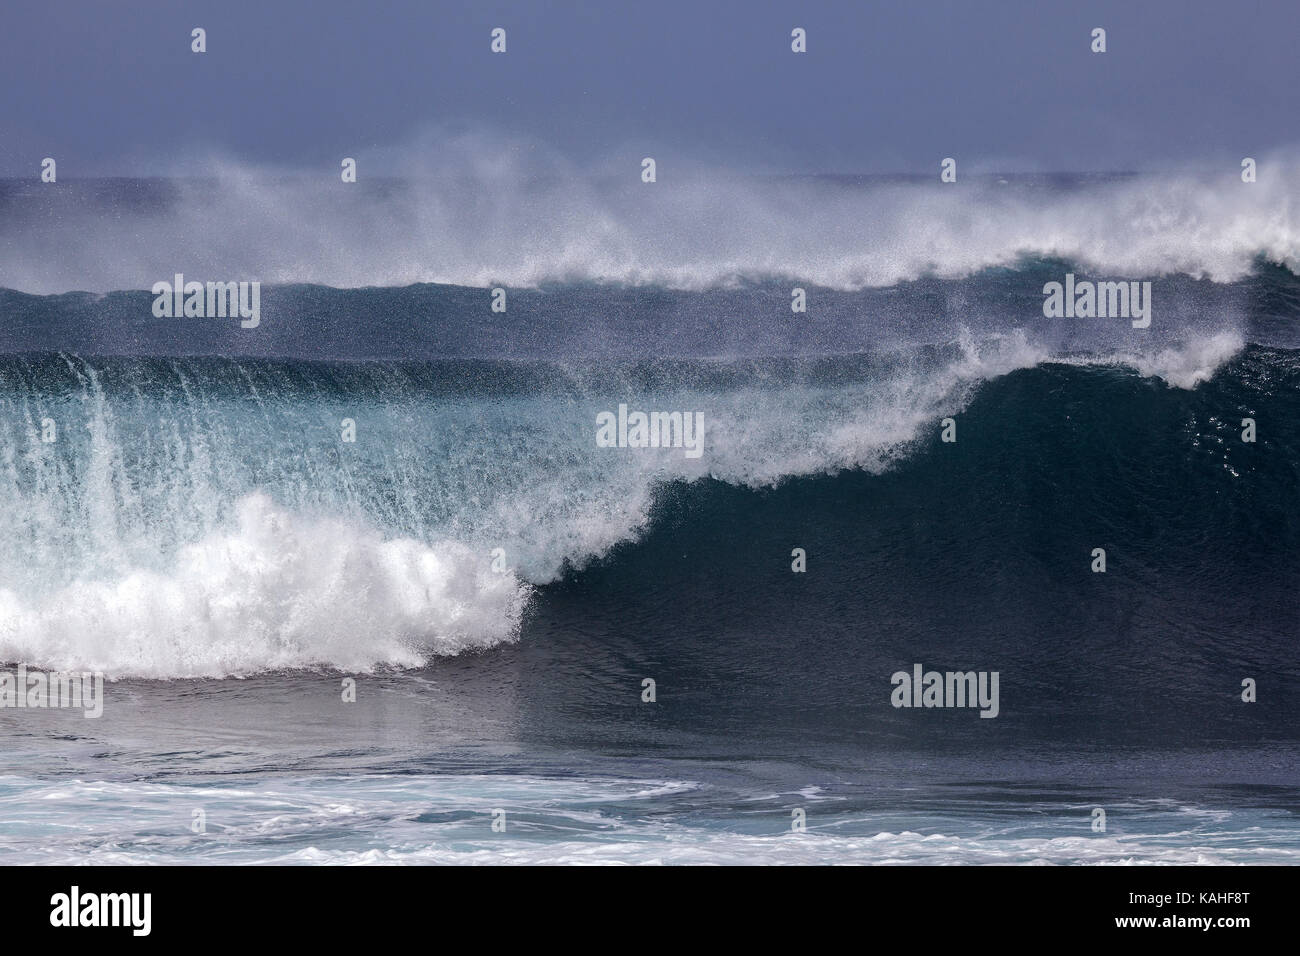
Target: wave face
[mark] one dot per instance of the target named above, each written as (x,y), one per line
(205,517)
(483,217)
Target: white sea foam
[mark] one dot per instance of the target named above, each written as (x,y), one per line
(275,591)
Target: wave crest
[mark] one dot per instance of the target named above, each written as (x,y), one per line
(471,220)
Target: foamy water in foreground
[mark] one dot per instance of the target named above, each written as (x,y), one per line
(447,819)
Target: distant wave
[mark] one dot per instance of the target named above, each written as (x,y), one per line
(482,221)
(592,322)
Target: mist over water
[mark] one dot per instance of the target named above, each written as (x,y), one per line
(480,212)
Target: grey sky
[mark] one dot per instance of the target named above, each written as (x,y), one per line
(886,86)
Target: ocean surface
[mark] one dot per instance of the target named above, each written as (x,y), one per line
(500,587)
